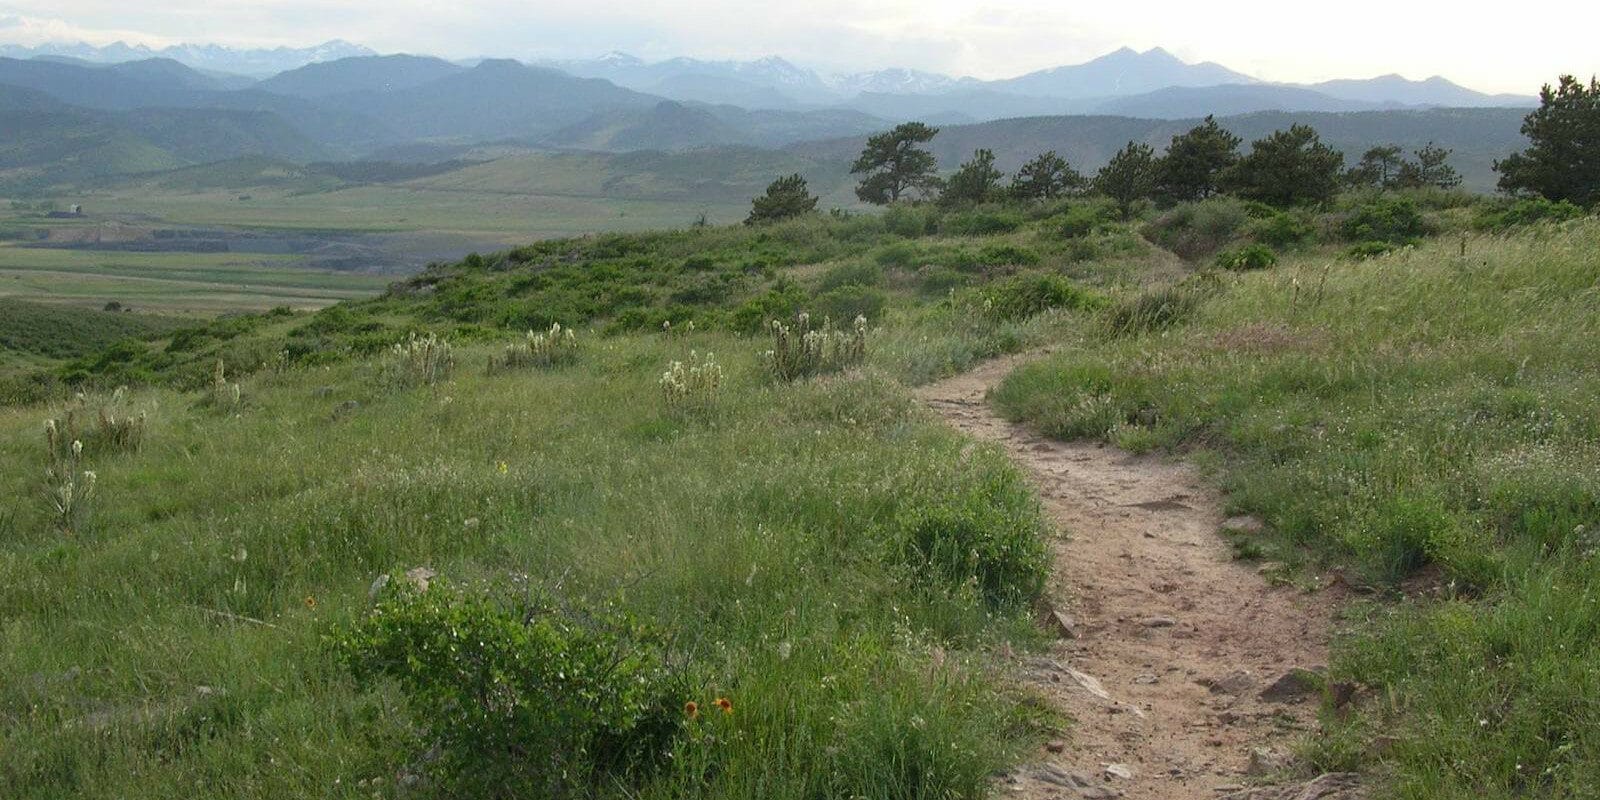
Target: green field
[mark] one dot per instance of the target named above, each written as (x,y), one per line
(187,283)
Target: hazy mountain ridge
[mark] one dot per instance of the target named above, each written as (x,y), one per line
(261,63)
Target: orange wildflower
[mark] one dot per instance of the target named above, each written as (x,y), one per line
(725,704)
(691,710)
(311,602)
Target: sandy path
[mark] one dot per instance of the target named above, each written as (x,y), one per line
(1176,641)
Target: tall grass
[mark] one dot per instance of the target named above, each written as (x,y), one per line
(184,645)
(1422,416)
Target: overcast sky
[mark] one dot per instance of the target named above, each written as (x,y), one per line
(1513,48)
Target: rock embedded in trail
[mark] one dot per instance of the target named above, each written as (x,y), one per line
(1293,686)
(1246,524)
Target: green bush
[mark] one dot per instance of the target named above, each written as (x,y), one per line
(1526,211)
(1250,256)
(1196,230)
(1007,255)
(1083,218)
(1281,229)
(849,302)
(1026,295)
(851,273)
(1154,310)
(1396,220)
(1362,251)
(898,255)
(989,540)
(935,281)
(983,222)
(520,696)
(912,221)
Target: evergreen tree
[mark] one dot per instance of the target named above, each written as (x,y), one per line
(1379,168)
(1047,177)
(1287,168)
(1563,160)
(1193,161)
(893,164)
(1129,177)
(786,197)
(1431,168)
(976,181)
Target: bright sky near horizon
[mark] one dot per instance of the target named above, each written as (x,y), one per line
(1507,49)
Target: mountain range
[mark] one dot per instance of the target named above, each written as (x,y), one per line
(164,111)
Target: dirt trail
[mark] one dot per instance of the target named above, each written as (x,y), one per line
(1173,678)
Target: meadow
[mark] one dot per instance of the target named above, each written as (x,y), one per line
(318,548)
(1426,420)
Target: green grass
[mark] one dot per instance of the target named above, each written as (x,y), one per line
(1421,416)
(176,640)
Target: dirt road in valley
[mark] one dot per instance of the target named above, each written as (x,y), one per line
(1180,672)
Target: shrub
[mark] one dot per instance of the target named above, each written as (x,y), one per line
(1082,219)
(1527,211)
(1154,310)
(111,428)
(419,361)
(1250,256)
(1388,219)
(555,347)
(1026,295)
(1007,255)
(692,388)
(898,254)
(912,221)
(1365,250)
(520,697)
(1281,229)
(854,273)
(849,302)
(1196,230)
(801,351)
(981,223)
(981,541)
(934,281)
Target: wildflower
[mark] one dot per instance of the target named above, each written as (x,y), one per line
(725,704)
(77,448)
(691,710)
(311,602)
(503,467)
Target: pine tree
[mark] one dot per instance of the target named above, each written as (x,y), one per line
(1379,168)
(1563,161)
(976,181)
(893,164)
(1431,168)
(1129,177)
(1047,177)
(1193,162)
(1287,168)
(786,197)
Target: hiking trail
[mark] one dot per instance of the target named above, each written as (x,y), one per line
(1177,664)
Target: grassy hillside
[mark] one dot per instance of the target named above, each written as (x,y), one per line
(762,542)
(1428,418)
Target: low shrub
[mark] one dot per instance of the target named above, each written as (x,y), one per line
(982,222)
(1007,255)
(1365,250)
(692,387)
(1154,310)
(935,281)
(1196,230)
(1083,218)
(852,273)
(803,351)
(911,220)
(849,302)
(982,539)
(1281,229)
(518,696)
(1024,296)
(1526,211)
(418,361)
(555,347)
(1396,220)
(1248,257)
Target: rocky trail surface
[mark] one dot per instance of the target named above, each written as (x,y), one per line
(1185,672)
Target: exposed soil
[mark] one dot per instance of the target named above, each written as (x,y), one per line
(1177,664)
